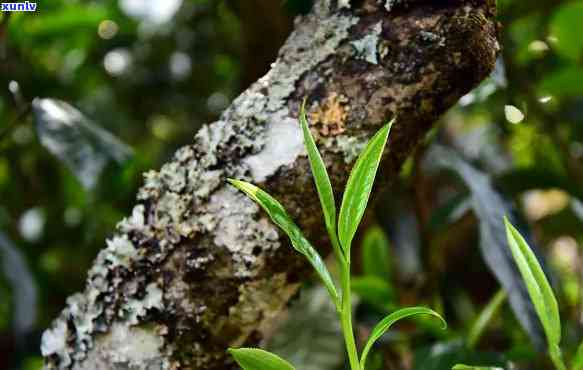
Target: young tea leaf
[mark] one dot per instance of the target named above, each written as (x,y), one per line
(280,217)
(258,359)
(384,325)
(359,186)
(537,284)
(321,178)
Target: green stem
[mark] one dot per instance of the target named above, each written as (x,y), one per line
(344,307)
(485,318)
(557,357)
(346,317)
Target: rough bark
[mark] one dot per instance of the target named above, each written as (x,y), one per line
(197,267)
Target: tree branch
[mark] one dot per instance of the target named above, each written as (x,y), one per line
(197,267)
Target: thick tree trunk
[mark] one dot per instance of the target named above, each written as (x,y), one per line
(197,267)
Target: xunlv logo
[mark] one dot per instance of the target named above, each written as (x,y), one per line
(18,7)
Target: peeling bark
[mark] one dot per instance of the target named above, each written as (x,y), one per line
(197,267)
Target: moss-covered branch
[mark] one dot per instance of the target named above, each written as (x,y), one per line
(197,267)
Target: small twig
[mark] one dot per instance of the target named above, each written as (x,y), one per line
(16,121)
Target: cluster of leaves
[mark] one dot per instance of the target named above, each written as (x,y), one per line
(513,146)
(354,203)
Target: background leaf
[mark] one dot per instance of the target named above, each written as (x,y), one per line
(258,359)
(445,355)
(312,319)
(24,292)
(374,290)
(564,26)
(467,367)
(490,209)
(376,259)
(70,136)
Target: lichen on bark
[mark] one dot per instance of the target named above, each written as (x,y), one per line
(197,267)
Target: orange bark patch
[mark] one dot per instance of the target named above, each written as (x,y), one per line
(329,116)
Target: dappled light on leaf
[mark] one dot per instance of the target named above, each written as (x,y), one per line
(82,145)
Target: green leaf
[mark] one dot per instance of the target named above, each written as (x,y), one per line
(321,179)
(577,363)
(384,325)
(376,259)
(373,290)
(485,318)
(359,186)
(258,359)
(564,26)
(467,367)
(539,290)
(280,217)
(563,82)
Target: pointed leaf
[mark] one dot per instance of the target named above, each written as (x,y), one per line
(359,186)
(280,217)
(537,284)
(489,207)
(385,324)
(14,267)
(376,260)
(258,359)
(84,147)
(467,367)
(321,178)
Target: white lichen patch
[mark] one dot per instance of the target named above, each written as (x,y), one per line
(126,347)
(239,231)
(54,341)
(431,37)
(311,45)
(152,186)
(348,146)
(136,222)
(137,308)
(82,311)
(389,4)
(173,174)
(367,47)
(284,143)
(343,4)
(120,251)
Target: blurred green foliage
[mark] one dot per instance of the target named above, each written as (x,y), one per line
(152,78)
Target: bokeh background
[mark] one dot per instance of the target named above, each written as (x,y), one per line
(136,79)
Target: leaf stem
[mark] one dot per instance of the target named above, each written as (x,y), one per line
(557,357)
(485,318)
(346,316)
